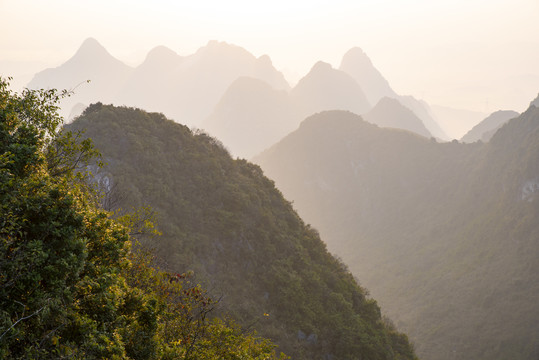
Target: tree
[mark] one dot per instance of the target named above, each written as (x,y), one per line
(59,255)
(69,285)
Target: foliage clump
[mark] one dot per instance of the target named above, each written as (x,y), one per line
(70,285)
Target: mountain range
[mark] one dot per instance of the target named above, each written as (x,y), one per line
(225,223)
(194,90)
(185,88)
(444,235)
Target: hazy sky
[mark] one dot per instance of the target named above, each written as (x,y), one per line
(481,55)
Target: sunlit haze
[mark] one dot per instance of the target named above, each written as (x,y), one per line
(213,179)
(467,54)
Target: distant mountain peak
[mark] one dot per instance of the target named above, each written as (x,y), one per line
(265,60)
(161,54)
(387,101)
(391,113)
(356,55)
(91,47)
(161,50)
(357,64)
(321,66)
(216,45)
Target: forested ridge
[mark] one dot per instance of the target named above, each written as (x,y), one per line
(225,222)
(74,282)
(443,234)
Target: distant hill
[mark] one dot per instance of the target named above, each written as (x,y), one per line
(225,221)
(358,65)
(202,78)
(185,88)
(152,82)
(91,62)
(325,88)
(350,88)
(444,235)
(424,112)
(251,116)
(192,89)
(391,113)
(486,128)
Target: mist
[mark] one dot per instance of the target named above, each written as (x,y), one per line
(349,180)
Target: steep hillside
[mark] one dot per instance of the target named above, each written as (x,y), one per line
(226,222)
(486,128)
(453,225)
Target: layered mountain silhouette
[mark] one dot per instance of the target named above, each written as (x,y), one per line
(91,62)
(194,90)
(224,222)
(251,116)
(202,78)
(358,65)
(325,88)
(185,88)
(390,113)
(486,128)
(151,83)
(444,235)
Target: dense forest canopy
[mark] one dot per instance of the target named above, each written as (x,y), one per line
(225,222)
(70,284)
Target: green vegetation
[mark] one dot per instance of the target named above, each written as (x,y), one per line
(444,235)
(69,285)
(226,224)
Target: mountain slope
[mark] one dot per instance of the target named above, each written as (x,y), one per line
(202,78)
(185,88)
(226,222)
(91,62)
(151,82)
(358,65)
(251,116)
(486,128)
(391,113)
(444,235)
(325,88)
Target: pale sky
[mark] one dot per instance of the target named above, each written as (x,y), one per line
(480,55)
